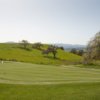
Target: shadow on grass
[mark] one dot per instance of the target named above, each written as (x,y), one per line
(97,66)
(27,49)
(51,57)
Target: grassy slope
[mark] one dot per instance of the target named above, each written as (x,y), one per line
(79,91)
(26,73)
(13,52)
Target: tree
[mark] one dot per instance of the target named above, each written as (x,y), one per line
(62,48)
(37,45)
(24,43)
(93,49)
(74,51)
(80,52)
(51,49)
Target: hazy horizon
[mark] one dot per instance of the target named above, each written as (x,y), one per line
(45,43)
(49,21)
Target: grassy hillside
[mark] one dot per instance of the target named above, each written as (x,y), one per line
(14,52)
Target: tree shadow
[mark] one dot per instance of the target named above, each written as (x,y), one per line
(50,57)
(27,49)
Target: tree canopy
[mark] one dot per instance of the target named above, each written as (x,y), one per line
(93,48)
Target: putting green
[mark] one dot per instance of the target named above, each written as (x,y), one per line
(25,73)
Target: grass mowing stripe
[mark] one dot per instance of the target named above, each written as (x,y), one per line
(31,73)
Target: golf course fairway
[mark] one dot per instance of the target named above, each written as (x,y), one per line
(24,81)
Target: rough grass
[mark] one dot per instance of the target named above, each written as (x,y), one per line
(79,91)
(14,52)
(95,65)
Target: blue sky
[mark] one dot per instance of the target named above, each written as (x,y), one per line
(49,21)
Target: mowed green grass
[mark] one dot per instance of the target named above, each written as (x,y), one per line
(26,73)
(23,81)
(14,52)
(74,91)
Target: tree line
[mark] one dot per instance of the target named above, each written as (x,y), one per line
(50,49)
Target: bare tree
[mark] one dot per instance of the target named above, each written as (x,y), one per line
(37,45)
(51,49)
(80,52)
(74,51)
(24,43)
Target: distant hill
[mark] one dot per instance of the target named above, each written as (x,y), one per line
(10,42)
(70,46)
